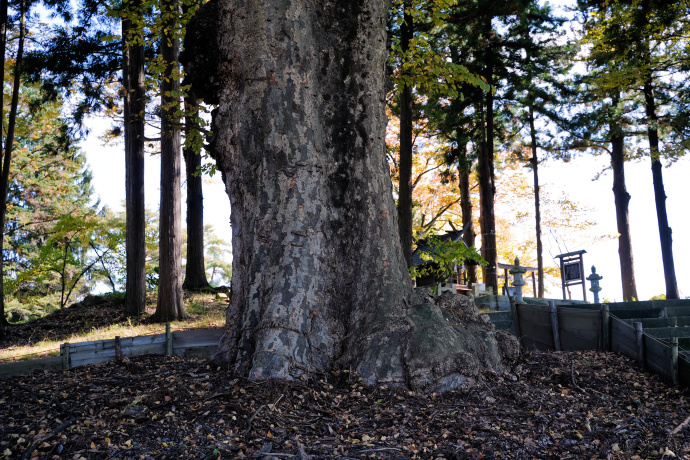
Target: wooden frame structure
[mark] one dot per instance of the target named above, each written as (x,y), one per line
(573,271)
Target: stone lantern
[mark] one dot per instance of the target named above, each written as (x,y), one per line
(517,271)
(594,279)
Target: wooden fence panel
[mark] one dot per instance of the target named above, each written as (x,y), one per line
(638,313)
(623,338)
(52,363)
(579,329)
(678,311)
(668,332)
(654,322)
(637,305)
(683,371)
(658,357)
(682,320)
(147,345)
(95,352)
(196,343)
(535,327)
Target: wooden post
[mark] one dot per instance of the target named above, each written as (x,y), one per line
(563,282)
(516,321)
(554,325)
(605,328)
(118,348)
(582,277)
(674,360)
(168,340)
(64,352)
(534,285)
(640,345)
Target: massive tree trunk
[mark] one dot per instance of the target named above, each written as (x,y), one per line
(195,272)
(622,198)
(134,109)
(665,234)
(406,137)
(170,302)
(319,278)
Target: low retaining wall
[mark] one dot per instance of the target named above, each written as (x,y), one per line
(196,343)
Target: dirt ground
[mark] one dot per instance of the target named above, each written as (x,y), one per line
(553,405)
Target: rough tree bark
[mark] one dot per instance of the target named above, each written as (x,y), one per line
(622,198)
(665,234)
(319,278)
(195,272)
(170,301)
(487,187)
(134,108)
(406,112)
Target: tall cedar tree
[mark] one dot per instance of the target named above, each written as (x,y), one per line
(82,56)
(419,68)
(134,108)
(195,271)
(170,301)
(8,145)
(647,37)
(599,123)
(475,119)
(535,89)
(621,65)
(406,140)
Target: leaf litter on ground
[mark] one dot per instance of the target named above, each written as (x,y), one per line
(551,405)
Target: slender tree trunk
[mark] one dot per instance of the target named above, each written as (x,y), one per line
(9,141)
(319,278)
(537,202)
(3,46)
(468,236)
(622,198)
(487,188)
(195,274)
(406,136)
(134,108)
(170,301)
(665,234)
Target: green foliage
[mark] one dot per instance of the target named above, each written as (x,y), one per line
(425,64)
(112,266)
(50,223)
(446,256)
(22,311)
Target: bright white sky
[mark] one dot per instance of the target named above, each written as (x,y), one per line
(574,178)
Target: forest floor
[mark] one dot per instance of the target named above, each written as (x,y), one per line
(551,405)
